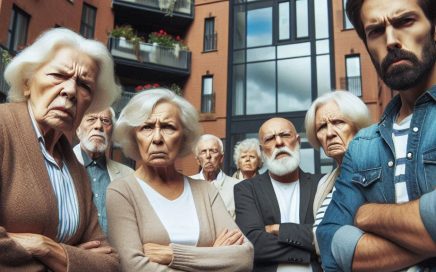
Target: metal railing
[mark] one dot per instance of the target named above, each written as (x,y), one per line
(149,53)
(210,42)
(352,84)
(168,6)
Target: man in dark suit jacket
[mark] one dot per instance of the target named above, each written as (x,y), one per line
(274,210)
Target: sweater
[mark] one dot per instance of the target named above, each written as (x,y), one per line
(28,203)
(133,222)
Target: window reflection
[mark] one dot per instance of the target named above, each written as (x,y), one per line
(261,94)
(239,32)
(258,54)
(302,18)
(323,74)
(284,25)
(259,27)
(238,90)
(321,19)
(294,79)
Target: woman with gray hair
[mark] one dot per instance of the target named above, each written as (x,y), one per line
(247,158)
(47,217)
(331,122)
(159,219)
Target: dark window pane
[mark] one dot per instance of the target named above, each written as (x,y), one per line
(17,32)
(87,24)
(261,88)
(238,89)
(207,95)
(259,27)
(239,32)
(210,37)
(294,79)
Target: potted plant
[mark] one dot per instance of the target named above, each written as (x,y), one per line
(162,38)
(127,33)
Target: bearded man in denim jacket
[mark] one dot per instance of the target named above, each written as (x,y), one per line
(383,213)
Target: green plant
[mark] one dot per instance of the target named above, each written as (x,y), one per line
(6,57)
(127,32)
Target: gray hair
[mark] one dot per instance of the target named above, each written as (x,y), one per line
(23,66)
(207,137)
(244,146)
(352,108)
(139,109)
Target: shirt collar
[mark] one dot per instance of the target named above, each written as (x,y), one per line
(219,177)
(87,161)
(34,124)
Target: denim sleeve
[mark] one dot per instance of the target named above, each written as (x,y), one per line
(346,200)
(427,209)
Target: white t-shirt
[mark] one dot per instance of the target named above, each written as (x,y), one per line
(178,216)
(288,196)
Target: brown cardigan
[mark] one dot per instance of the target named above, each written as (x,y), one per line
(28,203)
(133,222)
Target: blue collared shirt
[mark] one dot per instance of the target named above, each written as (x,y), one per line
(63,187)
(367,176)
(99,178)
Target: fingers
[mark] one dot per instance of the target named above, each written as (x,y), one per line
(90,245)
(236,235)
(227,238)
(102,250)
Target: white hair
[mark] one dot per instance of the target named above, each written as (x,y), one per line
(352,108)
(250,144)
(207,137)
(139,109)
(283,166)
(23,66)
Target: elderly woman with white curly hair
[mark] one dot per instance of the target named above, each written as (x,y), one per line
(331,123)
(47,217)
(159,219)
(247,158)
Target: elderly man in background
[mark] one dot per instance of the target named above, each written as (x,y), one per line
(95,135)
(274,210)
(209,153)
(47,218)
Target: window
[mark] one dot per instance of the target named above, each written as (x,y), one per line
(353,82)
(87,23)
(207,95)
(210,36)
(347,23)
(18,26)
(293,20)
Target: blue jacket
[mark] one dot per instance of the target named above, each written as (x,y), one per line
(367,175)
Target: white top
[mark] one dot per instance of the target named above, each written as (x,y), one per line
(288,196)
(179,216)
(400,135)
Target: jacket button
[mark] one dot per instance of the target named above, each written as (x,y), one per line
(409,155)
(415,129)
(390,163)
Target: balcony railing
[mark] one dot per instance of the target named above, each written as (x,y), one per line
(150,54)
(4,87)
(210,42)
(352,84)
(168,6)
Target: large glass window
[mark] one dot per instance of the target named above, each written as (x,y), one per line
(353,78)
(17,31)
(210,37)
(261,88)
(87,23)
(284,21)
(207,95)
(302,16)
(347,23)
(259,27)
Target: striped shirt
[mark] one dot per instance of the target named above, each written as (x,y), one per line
(63,187)
(400,134)
(321,211)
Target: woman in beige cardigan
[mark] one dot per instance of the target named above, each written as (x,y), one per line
(331,123)
(158,219)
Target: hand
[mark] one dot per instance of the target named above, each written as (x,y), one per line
(273,229)
(229,238)
(95,246)
(158,253)
(36,244)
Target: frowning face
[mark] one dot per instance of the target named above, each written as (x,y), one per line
(61,90)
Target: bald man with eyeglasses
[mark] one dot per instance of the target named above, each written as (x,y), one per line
(95,134)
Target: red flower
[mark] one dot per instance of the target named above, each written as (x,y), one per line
(138,88)
(147,86)
(155,85)
(178,38)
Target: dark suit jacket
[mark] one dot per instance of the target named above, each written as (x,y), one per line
(257,206)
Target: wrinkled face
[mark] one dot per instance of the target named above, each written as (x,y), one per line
(333,131)
(160,138)
(248,161)
(400,41)
(209,155)
(61,90)
(95,131)
(276,133)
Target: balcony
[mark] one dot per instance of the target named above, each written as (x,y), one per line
(210,42)
(176,13)
(149,61)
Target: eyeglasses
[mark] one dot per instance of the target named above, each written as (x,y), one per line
(284,135)
(104,120)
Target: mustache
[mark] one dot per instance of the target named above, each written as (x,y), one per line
(279,150)
(397,54)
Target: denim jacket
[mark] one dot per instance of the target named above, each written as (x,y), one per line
(367,175)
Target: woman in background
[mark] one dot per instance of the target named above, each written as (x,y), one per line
(247,158)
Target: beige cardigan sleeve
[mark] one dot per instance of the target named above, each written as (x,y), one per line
(124,233)
(226,258)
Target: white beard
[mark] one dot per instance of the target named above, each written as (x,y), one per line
(92,146)
(283,166)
